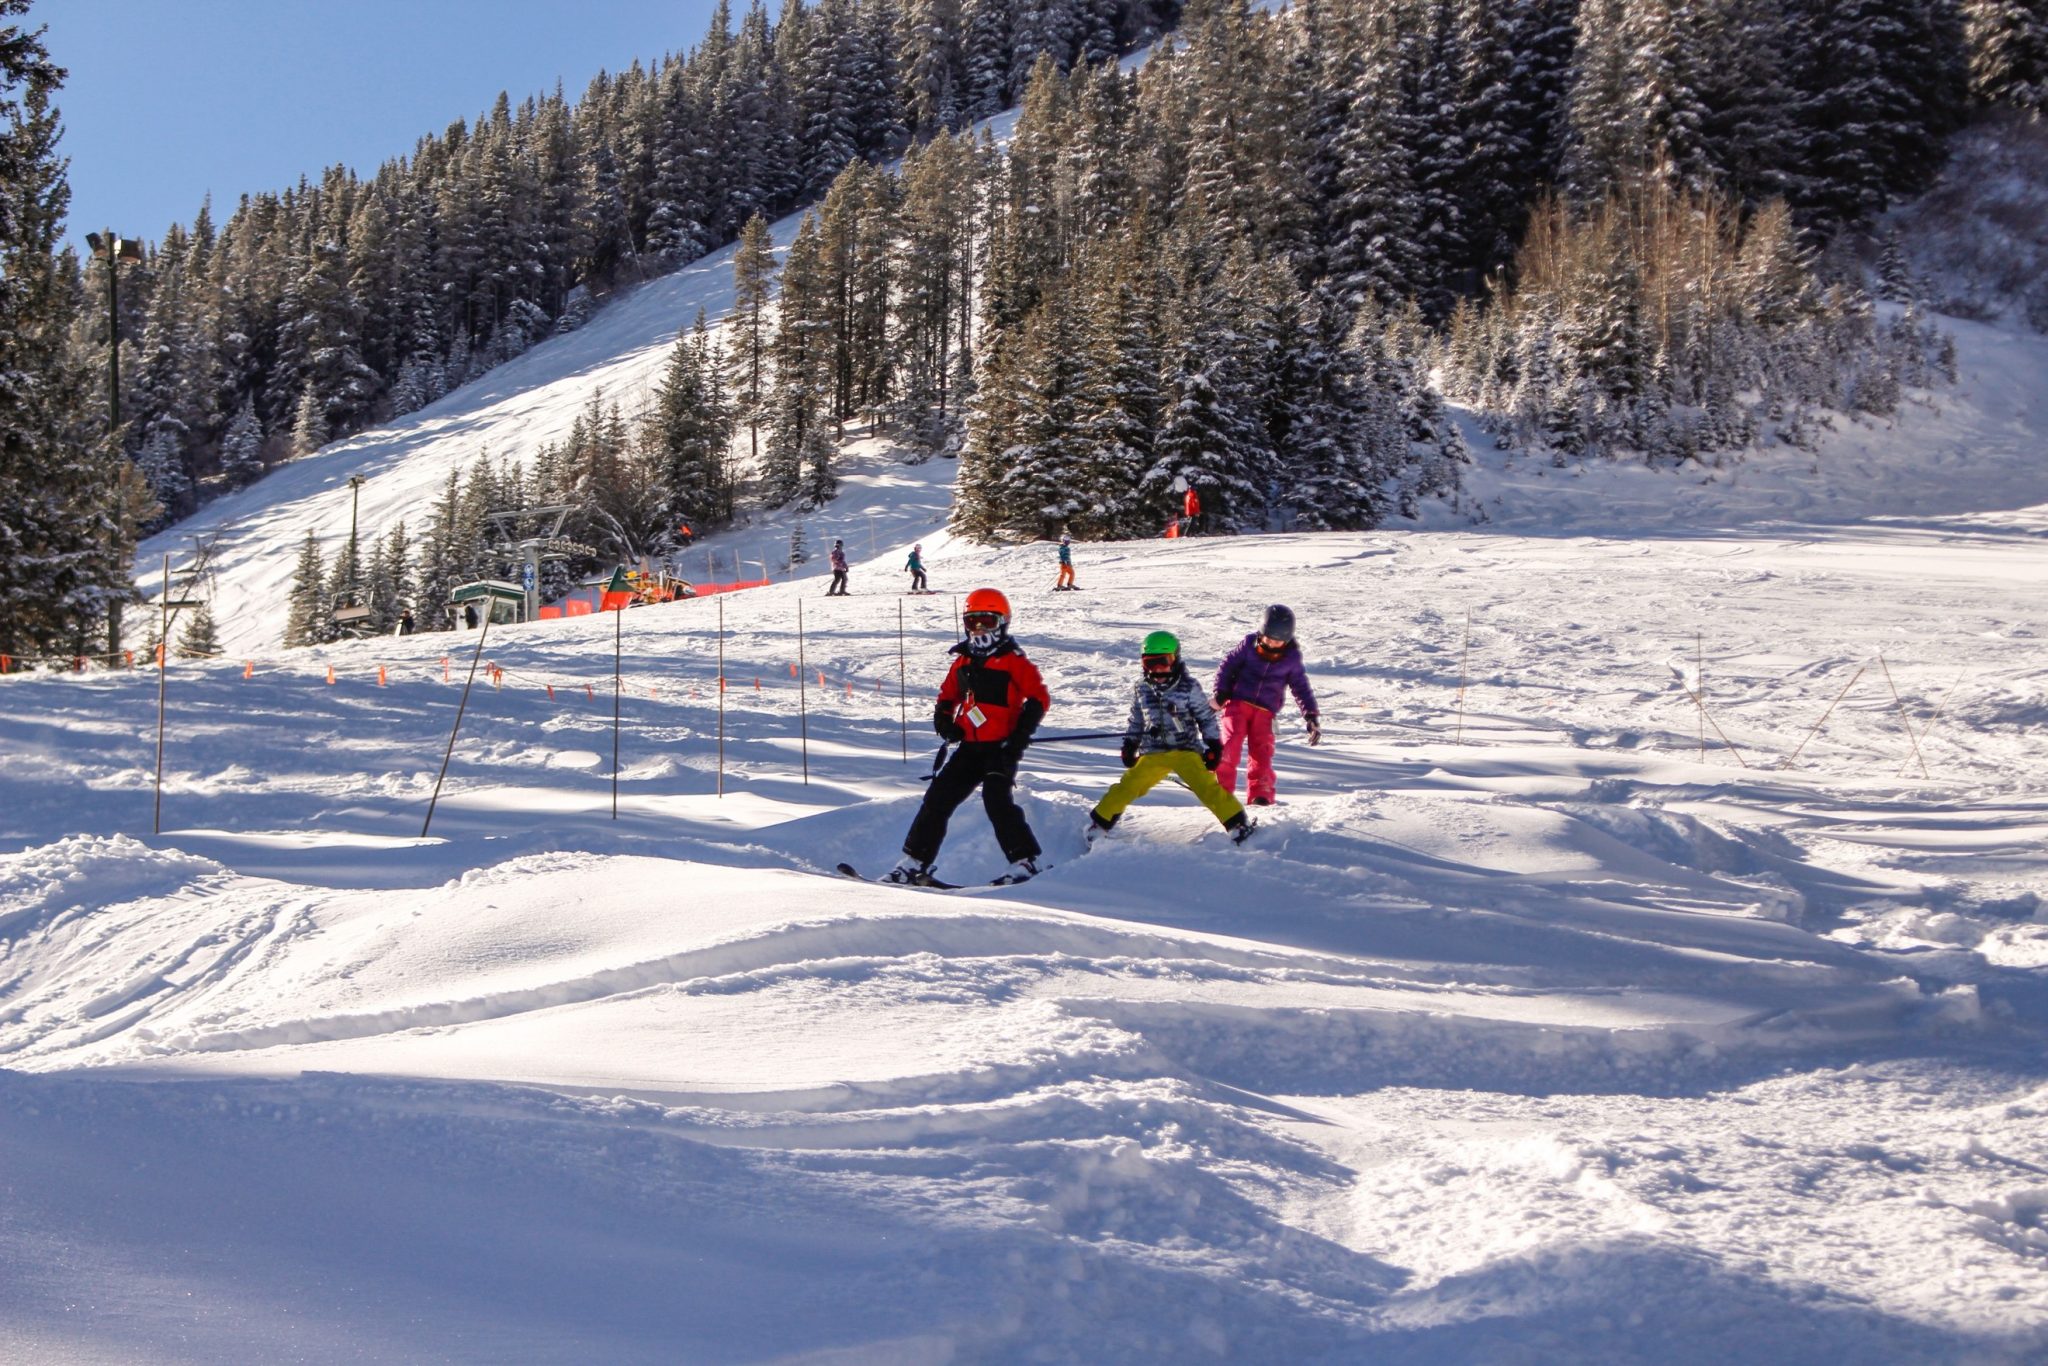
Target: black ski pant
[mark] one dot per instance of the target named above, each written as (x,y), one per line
(917,581)
(838,588)
(972,764)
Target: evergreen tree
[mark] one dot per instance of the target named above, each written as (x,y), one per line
(753,279)
(799,454)
(200,640)
(307,617)
(241,450)
(690,433)
(65,543)
(2008,52)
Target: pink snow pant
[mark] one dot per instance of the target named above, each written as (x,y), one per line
(1246,725)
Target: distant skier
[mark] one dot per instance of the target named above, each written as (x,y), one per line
(1066,582)
(915,564)
(1250,686)
(838,588)
(1191,512)
(405,623)
(992,700)
(1171,730)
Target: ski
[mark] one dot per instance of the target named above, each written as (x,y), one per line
(848,870)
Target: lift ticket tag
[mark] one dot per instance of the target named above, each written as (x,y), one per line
(976,715)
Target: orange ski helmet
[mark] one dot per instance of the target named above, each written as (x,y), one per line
(988,600)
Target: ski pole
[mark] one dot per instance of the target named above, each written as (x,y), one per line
(1060,739)
(938,761)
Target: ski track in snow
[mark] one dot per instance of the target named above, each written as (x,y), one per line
(1583,1039)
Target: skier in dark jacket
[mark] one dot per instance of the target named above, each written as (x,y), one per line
(992,700)
(838,588)
(1251,685)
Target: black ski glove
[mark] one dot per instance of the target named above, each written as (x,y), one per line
(1130,751)
(1212,754)
(943,722)
(1315,730)
(1028,717)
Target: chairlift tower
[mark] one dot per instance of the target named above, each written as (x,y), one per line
(531,550)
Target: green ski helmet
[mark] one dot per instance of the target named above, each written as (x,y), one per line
(1161,643)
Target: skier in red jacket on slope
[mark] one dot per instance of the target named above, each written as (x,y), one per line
(992,700)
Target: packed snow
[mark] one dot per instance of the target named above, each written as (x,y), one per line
(1553,1015)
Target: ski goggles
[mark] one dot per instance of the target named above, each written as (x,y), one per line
(981,621)
(1156,666)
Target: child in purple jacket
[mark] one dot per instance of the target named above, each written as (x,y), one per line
(1250,686)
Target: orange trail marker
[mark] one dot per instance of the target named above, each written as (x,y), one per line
(551,690)
(757,683)
(330,675)
(590,692)
(792,671)
(444,668)
(382,681)
(248,668)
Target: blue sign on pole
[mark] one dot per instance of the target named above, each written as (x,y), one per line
(529,577)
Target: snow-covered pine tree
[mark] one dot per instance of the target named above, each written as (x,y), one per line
(747,359)
(933,64)
(307,614)
(800,397)
(690,432)
(200,639)
(65,545)
(2008,49)
(390,589)
(241,450)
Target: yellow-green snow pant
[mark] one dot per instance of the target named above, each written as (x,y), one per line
(1184,764)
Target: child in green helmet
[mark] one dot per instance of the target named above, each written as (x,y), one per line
(1172,729)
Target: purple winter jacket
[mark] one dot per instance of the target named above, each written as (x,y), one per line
(1246,677)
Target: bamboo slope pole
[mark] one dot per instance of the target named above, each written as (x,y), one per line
(803,717)
(1826,714)
(1940,710)
(1699,680)
(902,685)
(1706,716)
(456,729)
(163,664)
(1900,703)
(721,693)
(1464,662)
(618,635)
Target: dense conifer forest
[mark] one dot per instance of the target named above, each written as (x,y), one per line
(1258,262)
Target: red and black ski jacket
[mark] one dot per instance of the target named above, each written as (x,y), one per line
(996,697)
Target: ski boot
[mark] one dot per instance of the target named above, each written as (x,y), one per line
(1023,870)
(1240,827)
(910,872)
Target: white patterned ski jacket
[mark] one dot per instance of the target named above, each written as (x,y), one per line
(1175,716)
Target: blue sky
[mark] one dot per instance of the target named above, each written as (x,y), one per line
(170,99)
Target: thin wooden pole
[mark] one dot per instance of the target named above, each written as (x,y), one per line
(1900,703)
(721,693)
(1699,681)
(456,729)
(163,663)
(1705,716)
(803,681)
(1939,711)
(618,636)
(1464,662)
(902,685)
(1826,714)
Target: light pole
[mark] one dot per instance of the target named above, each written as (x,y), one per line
(355,564)
(115,249)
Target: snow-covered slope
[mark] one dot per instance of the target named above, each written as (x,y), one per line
(1524,1030)
(1549,1018)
